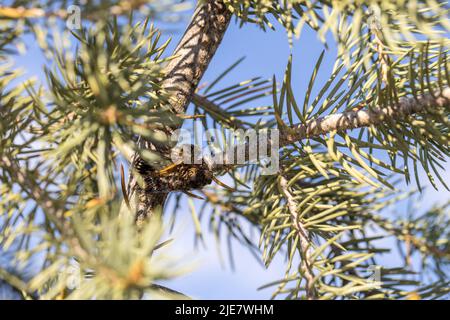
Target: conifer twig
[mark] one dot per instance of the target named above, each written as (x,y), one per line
(365,117)
(304,239)
(353,119)
(182,75)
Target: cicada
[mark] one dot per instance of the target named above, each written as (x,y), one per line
(176,176)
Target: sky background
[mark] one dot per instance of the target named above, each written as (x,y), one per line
(266,54)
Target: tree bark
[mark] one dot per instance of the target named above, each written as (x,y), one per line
(350,120)
(304,240)
(182,75)
(365,118)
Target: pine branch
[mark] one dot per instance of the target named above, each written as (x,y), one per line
(182,75)
(195,51)
(51,211)
(351,120)
(365,118)
(212,108)
(36,13)
(304,239)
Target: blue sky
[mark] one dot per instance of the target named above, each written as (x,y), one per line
(266,55)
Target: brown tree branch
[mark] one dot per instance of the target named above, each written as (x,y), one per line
(195,51)
(365,118)
(304,240)
(37,13)
(182,75)
(350,120)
